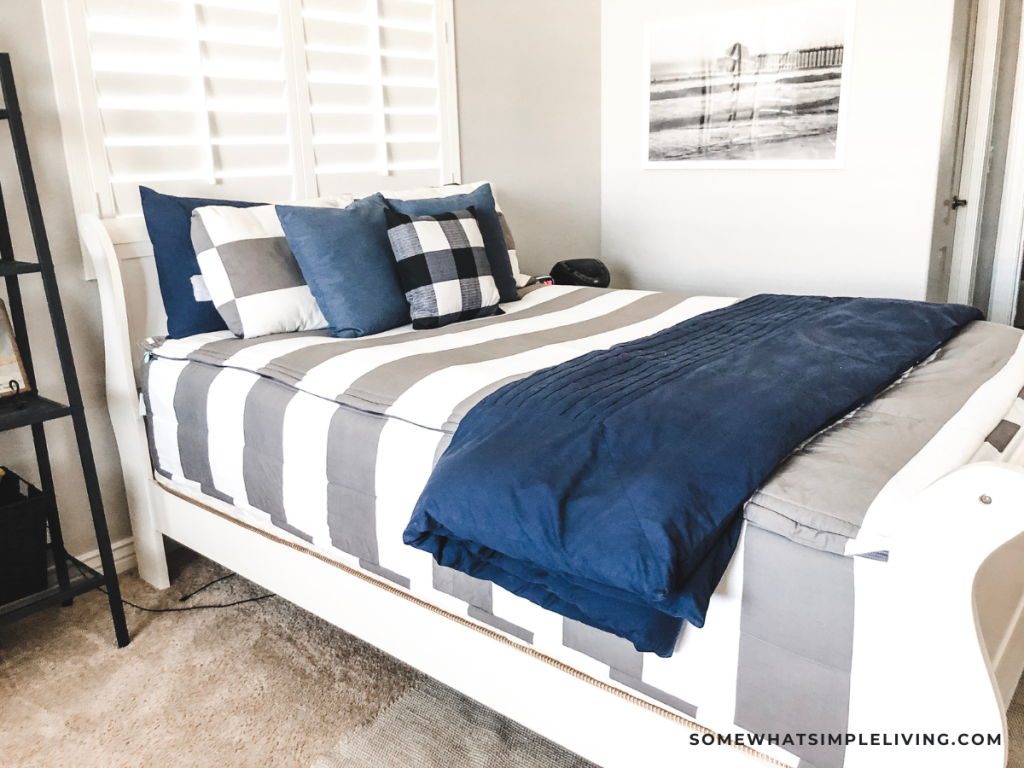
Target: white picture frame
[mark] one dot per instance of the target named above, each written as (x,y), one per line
(755,88)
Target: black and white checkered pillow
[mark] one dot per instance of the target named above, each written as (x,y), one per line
(443,267)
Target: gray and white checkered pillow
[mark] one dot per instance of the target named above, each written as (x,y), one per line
(443,267)
(249,271)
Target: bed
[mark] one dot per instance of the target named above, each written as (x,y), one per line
(902,625)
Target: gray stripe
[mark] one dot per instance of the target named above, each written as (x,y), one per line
(881,555)
(233,320)
(201,240)
(384,573)
(1001,436)
(655,693)
(382,386)
(216,352)
(295,365)
(466,405)
(498,623)
(352,441)
(258,265)
(263,452)
(796,642)
(476,592)
(860,455)
(147,362)
(191,395)
(617,652)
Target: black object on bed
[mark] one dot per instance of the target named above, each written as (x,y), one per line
(591,273)
(609,488)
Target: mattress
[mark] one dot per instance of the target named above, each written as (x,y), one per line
(330,441)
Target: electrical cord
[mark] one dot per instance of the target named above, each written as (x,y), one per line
(186,597)
(196,592)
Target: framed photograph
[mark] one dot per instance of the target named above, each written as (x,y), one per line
(11,367)
(761,88)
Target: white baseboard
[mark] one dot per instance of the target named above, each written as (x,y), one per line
(124,556)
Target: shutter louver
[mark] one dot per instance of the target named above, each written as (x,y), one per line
(373,92)
(266,100)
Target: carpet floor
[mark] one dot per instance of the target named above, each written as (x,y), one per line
(260,684)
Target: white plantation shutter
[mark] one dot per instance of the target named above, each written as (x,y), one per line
(267,100)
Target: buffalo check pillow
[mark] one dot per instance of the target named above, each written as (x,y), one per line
(443,267)
(250,272)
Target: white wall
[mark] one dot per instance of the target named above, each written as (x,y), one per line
(22,35)
(530,119)
(862,230)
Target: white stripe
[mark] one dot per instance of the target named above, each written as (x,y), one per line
(225,411)
(431,401)
(952,447)
(260,355)
(307,424)
(179,349)
(339,373)
(163,382)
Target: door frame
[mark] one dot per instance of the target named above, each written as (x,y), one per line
(1009,248)
(977,138)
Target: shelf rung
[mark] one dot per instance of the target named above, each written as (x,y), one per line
(8,268)
(35,410)
(83,579)
(3,114)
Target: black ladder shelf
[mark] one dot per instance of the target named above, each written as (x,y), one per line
(34,410)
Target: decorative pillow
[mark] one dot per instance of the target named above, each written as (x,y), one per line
(251,273)
(443,267)
(186,300)
(497,236)
(346,258)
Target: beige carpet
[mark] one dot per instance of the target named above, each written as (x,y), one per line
(433,725)
(261,684)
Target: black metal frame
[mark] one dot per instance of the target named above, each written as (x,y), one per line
(35,410)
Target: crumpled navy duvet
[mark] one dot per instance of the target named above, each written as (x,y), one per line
(609,488)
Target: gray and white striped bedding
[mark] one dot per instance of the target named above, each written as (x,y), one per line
(331,440)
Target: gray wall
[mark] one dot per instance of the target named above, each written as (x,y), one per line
(864,229)
(530,119)
(22,35)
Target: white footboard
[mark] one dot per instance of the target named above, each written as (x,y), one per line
(939,646)
(937,654)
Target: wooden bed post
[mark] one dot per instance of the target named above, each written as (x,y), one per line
(123,402)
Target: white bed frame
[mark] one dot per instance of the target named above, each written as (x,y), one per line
(947,662)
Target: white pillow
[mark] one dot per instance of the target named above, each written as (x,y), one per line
(249,271)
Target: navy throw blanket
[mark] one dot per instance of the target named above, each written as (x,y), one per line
(609,488)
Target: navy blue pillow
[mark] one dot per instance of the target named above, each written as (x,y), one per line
(481,200)
(346,258)
(169,221)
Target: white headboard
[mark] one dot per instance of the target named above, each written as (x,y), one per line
(122,257)
(132,311)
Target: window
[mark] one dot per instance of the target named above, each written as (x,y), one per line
(266,100)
